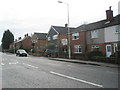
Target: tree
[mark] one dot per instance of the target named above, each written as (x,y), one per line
(7,39)
(51,46)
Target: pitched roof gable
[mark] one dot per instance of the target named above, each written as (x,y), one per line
(41,36)
(62,30)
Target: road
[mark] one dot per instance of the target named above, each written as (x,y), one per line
(40,72)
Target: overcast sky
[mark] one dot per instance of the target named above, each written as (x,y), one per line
(29,16)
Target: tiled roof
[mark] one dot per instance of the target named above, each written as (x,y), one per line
(100,24)
(91,26)
(62,30)
(22,39)
(41,36)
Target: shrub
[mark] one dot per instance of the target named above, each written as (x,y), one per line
(94,53)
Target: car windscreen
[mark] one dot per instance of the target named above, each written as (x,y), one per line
(22,51)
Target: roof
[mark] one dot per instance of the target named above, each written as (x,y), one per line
(91,26)
(62,30)
(79,29)
(41,36)
(100,24)
(20,40)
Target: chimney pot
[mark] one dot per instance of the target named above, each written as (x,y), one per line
(110,7)
(66,25)
(109,14)
(19,38)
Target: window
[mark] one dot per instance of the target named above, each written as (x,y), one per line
(77,49)
(118,29)
(94,34)
(95,48)
(75,36)
(55,37)
(108,48)
(64,41)
(48,38)
(64,50)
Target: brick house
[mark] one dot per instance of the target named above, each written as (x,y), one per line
(104,35)
(39,41)
(78,42)
(24,43)
(59,37)
(112,35)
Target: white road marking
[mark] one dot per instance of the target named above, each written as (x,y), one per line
(13,62)
(30,65)
(2,64)
(80,80)
(110,72)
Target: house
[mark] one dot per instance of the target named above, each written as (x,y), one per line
(78,42)
(58,36)
(24,43)
(103,35)
(95,36)
(112,35)
(39,41)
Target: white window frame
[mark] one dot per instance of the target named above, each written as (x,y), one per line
(77,49)
(117,29)
(94,34)
(48,38)
(55,37)
(64,41)
(75,36)
(94,47)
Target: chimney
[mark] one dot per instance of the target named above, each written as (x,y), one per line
(109,14)
(66,25)
(19,38)
(25,35)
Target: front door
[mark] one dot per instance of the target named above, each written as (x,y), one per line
(108,50)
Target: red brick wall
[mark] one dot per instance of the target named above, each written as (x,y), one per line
(41,43)
(81,41)
(101,47)
(27,43)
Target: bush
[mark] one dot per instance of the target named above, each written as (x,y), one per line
(116,54)
(94,53)
(12,50)
(104,59)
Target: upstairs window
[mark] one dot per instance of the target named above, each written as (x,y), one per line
(77,49)
(55,37)
(64,41)
(75,36)
(48,38)
(118,29)
(94,34)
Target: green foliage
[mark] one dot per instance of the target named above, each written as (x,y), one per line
(117,53)
(12,50)
(51,46)
(94,53)
(7,39)
(118,46)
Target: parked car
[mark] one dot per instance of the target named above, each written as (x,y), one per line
(21,52)
(48,53)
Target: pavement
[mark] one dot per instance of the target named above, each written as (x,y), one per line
(86,62)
